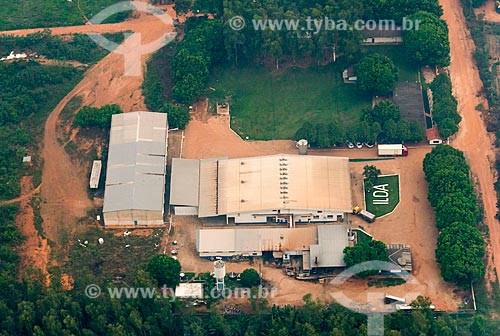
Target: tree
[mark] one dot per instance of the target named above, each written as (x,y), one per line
(164,269)
(250,278)
(460,250)
(307,132)
(477,327)
(182,6)
(428,43)
(391,131)
(376,74)
(447,128)
(96,117)
(178,116)
(416,132)
(381,113)
(336,133)
(365,251)
(364,132)
(322,136)
(371,173)
(404,130)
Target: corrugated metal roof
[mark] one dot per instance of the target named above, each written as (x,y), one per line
(184,182)
(247,240)
(274,182)
(135,177)
(329,252)
(95,175)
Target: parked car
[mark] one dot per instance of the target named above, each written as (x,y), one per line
(359,144)
(369,144)
(349,144)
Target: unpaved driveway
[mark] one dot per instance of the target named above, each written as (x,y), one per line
(64,191)
(412,223)
(472,137)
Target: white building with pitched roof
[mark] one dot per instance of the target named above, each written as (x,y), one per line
(136,169)
(278,188)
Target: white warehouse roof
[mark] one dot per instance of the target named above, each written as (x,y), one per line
(135,178)
(274,182)
(245,241)
(329,252)
(185,182)
(323,243)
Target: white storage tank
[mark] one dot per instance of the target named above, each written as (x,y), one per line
(220,273)
(303,146)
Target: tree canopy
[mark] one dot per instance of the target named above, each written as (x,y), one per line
(428,42)
(164,269)
(460,247)
(376,74)
(250,278)
(444,108)
(178,116)
(96,116)
(365,251)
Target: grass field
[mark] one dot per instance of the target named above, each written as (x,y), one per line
(384,197)
(362,236)
(408,71)
(50,13)
(265,105)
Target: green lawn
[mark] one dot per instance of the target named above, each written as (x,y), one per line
(362,236)
(265,105)
(408,71)
(384,197)
(50,13)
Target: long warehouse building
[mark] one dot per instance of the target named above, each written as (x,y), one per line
(282,188)
(318,246)
(135,175)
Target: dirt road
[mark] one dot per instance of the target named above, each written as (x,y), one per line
(64,192)
(29,193)
(488,9)
(472,137)
(135,24)
(35,250)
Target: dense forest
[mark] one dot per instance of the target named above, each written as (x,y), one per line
(77,47)
(29,92)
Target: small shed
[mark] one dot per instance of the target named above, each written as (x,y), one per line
(433,137)
(95,176)
(189,291)
(381,34)
(223,108)
(348,75)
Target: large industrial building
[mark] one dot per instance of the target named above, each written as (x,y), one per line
(288,189)
(135,178)
(318,246)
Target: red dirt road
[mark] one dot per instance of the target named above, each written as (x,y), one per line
(472,138)
(23,196)
(64,191)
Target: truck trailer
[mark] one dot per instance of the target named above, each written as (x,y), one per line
(367,216)
(392,150)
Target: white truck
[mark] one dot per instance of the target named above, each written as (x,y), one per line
(392,150)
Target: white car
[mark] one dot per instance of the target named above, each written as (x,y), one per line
(369,145)
(359,144)
(349,144)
